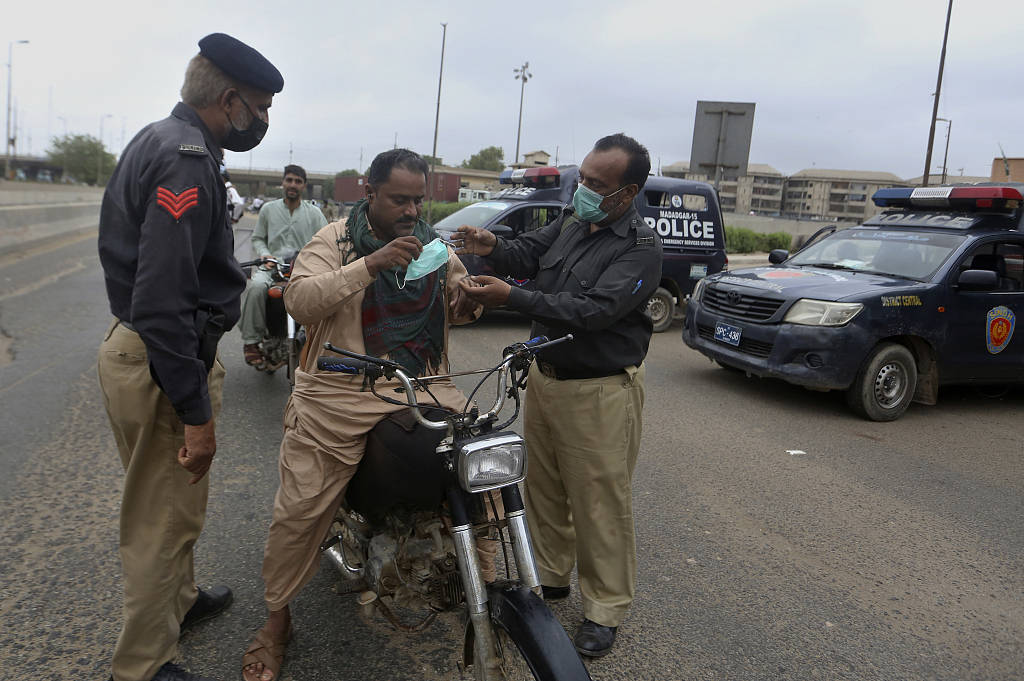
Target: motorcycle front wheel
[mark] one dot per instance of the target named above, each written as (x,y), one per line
(532,645)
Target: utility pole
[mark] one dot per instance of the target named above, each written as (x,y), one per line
(8,140)
(437,119)
(945,158)
(522,74)
(938,90)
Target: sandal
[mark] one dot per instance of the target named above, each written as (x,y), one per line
(253,355)
(266,651)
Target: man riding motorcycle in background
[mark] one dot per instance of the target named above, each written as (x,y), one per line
(353,285)
(284,226)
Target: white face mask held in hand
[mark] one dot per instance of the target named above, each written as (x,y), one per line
(433,257)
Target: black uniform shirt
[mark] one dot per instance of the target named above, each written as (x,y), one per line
(595,286)
(167,251)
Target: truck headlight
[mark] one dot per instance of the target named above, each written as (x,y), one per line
(822,312)
(491,461)
(698,289)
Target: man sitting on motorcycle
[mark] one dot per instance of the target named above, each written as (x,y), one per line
(349,285)
(284,226)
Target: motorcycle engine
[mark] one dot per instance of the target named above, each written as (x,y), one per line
(415,564)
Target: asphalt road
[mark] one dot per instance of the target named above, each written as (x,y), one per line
(779,536)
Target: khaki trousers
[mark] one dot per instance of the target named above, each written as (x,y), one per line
(162,515)
(253,322)
(313,481)
(583,437)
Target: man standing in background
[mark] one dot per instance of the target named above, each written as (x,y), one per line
(284,226)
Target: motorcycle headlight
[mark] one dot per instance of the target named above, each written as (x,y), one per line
(822,312)
(491,461)
(698,289)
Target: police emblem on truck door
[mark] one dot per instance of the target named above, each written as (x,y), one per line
(999,328)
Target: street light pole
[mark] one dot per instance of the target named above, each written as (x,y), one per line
(437,119)
(938,90)
(523,75)
(7,137)
(945,157)
(99,155)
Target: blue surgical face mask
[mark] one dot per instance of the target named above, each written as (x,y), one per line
(587,203)
(433,257)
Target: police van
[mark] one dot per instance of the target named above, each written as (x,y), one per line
(924,294)
(685,214)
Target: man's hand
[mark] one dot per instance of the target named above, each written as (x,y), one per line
(398,252)
(488,291)
(474,241)
(197,454)
(462,306)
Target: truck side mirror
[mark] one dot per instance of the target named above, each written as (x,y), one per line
(503,231)
(978,280)
(778,255)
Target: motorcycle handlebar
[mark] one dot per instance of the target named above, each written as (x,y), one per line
(375,367)
(347,365)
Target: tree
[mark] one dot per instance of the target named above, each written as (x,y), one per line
(489,158)
(350,172)
(81,156)
(433,160)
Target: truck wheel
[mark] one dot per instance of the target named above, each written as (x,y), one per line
(662,308)
(885,385)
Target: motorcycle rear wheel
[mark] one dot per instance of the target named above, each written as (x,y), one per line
(532,645)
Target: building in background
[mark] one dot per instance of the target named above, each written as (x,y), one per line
(760,191)
(1007,170)
(823,194)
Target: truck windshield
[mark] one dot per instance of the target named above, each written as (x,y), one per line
(475,215)
(907,254)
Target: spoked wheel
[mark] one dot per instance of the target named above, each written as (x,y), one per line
(531,643)
(514,666)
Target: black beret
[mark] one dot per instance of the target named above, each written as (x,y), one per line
(241,62)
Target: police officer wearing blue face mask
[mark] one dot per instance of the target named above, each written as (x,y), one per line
(167,250)
(594,269)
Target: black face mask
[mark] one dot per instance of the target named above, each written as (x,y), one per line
(244,140)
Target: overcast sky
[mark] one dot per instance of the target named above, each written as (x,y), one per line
(841,84)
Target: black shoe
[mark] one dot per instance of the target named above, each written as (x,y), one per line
(208,604)
(172,672)
(555,593)
(593,639)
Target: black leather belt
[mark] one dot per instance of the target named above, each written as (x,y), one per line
(560,374)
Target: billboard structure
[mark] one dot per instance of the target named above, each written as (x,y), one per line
(721,139)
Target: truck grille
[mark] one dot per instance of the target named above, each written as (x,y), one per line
(747,345)
(740,305)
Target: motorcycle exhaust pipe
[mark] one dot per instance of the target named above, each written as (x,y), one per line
(333,548)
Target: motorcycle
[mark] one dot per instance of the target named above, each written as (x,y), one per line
(423,494)
(284,340)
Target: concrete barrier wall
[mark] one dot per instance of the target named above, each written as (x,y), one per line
(35,193)
(767,225)
(32,211)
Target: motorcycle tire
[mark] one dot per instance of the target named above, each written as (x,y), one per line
(532,643)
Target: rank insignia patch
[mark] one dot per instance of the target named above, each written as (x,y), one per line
(177,204)
(999,328)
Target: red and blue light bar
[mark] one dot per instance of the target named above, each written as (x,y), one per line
(993,197)
(539,178)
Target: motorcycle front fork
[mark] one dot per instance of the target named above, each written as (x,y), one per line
(485,650)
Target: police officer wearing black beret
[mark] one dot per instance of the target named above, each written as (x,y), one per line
(167,250)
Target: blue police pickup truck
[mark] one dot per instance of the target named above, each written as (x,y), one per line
(685,214)
(924,294)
